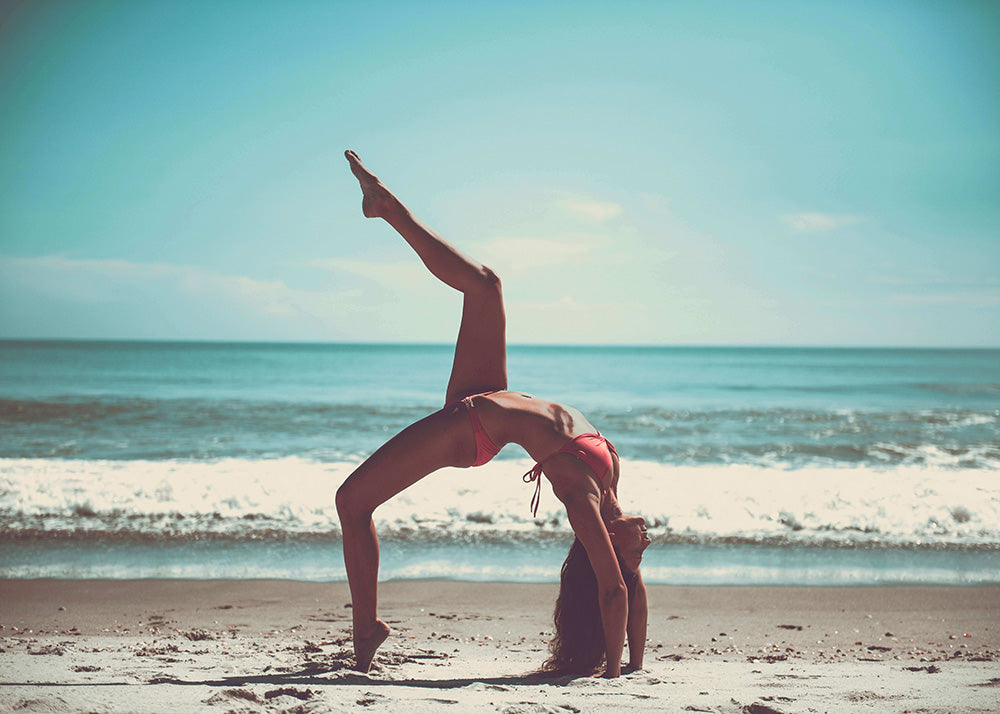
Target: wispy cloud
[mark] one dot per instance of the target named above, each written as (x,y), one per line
(983,298)
(819,222)
(114,282)
(932,287)
(517,254)
(393,275)
(510,256)
(935,280)
(100,279)
(560,319)
(588,209)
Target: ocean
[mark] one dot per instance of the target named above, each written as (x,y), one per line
(751,465)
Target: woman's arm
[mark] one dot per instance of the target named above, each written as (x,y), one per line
(583,509)
(636,628)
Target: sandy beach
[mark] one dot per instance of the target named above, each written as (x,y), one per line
(282,646)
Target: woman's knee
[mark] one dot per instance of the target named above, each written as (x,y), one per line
(488,280)
(350,503)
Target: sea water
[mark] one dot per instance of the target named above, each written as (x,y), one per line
(750,465)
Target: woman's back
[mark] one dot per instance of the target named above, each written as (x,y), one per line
(541,427)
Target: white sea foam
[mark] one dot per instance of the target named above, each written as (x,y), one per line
(906,505)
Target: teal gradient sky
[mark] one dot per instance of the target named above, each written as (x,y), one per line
(798,173)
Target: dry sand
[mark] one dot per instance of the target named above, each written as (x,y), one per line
(279,646)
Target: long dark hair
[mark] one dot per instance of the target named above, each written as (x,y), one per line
(578,646)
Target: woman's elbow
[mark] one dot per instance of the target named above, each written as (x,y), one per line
(614,596)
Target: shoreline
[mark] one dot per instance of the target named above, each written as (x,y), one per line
(273,645)
(321,561)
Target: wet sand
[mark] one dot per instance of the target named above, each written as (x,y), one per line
(283,646)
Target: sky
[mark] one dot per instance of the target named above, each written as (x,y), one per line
(758,173)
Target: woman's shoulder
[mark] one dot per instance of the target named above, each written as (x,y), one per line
(524,403)
(514,394)
(515,399)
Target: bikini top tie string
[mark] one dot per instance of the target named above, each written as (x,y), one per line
(535,475)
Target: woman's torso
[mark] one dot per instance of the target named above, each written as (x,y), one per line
(540,427)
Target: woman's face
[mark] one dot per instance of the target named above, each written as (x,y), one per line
(629,538)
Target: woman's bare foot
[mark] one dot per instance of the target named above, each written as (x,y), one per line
(366,642)
(377,199)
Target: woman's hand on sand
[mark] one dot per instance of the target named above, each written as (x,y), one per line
(627,669)
(608,673)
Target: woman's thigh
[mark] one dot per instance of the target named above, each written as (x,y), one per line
(480,363)
(436,441)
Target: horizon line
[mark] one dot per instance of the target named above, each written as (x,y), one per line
(404,343)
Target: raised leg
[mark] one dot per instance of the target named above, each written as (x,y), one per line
(480,362)
(432,443)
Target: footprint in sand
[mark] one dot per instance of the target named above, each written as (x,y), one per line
(290,692)
(758,708)
(226,696)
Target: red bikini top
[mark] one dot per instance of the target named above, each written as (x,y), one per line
(592,449)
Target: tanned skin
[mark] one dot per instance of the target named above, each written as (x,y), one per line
(445,438)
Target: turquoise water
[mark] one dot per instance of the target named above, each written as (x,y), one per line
(103,400)
(773,465)
(321,560)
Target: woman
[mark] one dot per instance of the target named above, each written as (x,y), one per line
(480,416)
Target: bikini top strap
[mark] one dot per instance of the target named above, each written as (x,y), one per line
(535,475)
(536,472)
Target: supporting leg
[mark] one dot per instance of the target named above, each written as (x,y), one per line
(361,556)
(433,442)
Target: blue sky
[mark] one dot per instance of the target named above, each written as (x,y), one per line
(800,173)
